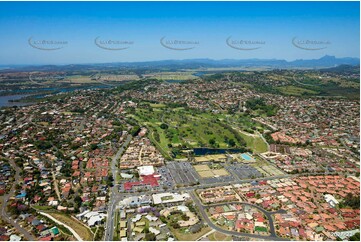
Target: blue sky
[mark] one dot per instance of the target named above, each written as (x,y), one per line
(209,24)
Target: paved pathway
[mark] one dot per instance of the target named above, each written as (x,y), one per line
(77,236)
(56,186)
(205,235)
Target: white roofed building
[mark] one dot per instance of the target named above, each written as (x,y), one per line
(146,170)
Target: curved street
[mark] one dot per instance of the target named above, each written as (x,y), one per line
(202,207)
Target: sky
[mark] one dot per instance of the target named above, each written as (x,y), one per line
(101,32)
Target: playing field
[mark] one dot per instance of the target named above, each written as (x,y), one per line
(205,171)
(201,168)
(205,174)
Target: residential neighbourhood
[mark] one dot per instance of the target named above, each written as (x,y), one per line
(180,121)
(93,163)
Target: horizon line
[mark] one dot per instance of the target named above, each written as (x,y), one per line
(189,59)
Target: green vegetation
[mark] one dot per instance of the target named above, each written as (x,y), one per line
(167,198)
(331,82)
(351,201)
(217,236)
(355,237)
(176,76)
(150,237)
(256,143)
(42,208)
(99,234)
(175,129)
(296,91)
(117,224)
(260,229)
(260,104)
(83,231)
(183,235)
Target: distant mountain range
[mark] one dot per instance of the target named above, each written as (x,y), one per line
(324,62)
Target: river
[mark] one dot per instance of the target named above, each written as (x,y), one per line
(4,101)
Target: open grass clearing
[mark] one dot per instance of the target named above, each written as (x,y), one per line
(80,229)
(217,236)
(296,91)
(188,236)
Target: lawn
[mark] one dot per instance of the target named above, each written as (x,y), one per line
(181,76)
(296,91)
(255,143)
(43,208)
(189,236)
(83,231)
(115,232)
(217,236)
(172,129)
(157,105)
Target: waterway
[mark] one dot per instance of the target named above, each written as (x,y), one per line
(5,101)
(210,151)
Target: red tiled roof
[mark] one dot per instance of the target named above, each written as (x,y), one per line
(352,224)
(40,227)
(146,180)
(47,238)
(250,194)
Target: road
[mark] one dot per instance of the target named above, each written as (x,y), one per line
(304,84)
(117,197)
(6,197)
(113,200)
(202,208)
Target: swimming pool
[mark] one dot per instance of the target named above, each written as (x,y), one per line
(246,157)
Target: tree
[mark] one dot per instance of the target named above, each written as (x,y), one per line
(174,224)
(231,142)
(185,217)
(110,180)
(164,126)
(93,146)
(351,201)
(78,200)
(212,141)
(355,237)
(150,237)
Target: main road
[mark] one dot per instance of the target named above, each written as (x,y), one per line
(109,226)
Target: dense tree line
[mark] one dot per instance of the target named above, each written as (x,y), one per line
(351,200)
(238,137)
(260,104)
